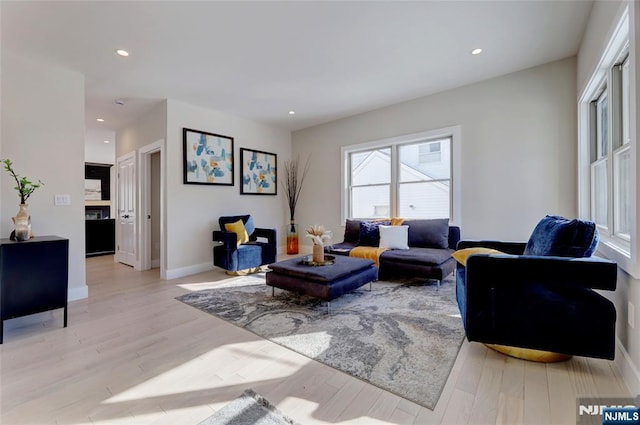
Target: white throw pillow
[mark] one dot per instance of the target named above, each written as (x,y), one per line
(394,237)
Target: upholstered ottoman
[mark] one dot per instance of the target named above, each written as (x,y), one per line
(324,282)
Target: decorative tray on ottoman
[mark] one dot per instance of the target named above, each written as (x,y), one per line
(328,260)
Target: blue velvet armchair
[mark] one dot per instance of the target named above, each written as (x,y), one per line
(239,258)
(540,295)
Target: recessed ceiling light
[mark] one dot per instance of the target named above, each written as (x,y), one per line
(476,51)
(106,141)
(122,52)
(100,119)
(292,112)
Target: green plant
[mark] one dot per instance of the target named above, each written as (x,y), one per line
(25,187)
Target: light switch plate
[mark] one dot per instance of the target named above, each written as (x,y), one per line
(631,315)
(60,200)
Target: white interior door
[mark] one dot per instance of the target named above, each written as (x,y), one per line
(126,241)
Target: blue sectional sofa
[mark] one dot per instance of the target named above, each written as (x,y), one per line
(430,241)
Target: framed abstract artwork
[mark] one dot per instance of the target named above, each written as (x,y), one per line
(208,158)
(259,172)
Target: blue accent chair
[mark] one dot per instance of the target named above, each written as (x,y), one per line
(247,256)
(540,295)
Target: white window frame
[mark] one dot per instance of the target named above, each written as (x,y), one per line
(617,247)
(455,197)
(625,146)
(600,155)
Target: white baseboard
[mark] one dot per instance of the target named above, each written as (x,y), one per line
(155,263)
(77,293)
(189,270)
(628,370)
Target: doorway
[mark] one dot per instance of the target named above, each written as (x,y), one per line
(152,187)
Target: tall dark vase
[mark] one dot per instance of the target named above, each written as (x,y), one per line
(292,238)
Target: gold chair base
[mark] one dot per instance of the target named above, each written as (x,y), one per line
(530,354)
(244,272)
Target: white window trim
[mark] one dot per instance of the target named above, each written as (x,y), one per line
(624,253)
(453,132)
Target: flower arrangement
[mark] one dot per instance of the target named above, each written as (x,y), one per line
(25,187)
(318,234)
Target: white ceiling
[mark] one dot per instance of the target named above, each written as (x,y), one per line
(325,60)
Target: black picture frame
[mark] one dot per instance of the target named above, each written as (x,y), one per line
(258,172)
(207,158)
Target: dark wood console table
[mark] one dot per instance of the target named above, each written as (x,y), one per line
(34,277)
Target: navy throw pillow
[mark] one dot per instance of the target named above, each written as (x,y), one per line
(429,233)
(352,231)
(558,236)
(370,232)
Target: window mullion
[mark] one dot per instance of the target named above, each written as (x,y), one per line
(349,193)
(611,116)
(395,178)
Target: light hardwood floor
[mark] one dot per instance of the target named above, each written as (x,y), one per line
(132,354)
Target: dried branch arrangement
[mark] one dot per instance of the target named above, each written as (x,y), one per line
(294,178)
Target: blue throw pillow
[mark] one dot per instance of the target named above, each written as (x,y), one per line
(249,225)
(370,233)
(561,237)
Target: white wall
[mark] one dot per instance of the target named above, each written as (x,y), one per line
(146,130)
(193,210)
(518,150)
(604,17)
(595,38)
(101,153)
(43,134)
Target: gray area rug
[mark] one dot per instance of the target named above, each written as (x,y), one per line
(401,337)
(249,408)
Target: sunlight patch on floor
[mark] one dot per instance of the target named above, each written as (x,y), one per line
(187,415)
(213,370)
(223,283)
(297,407)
